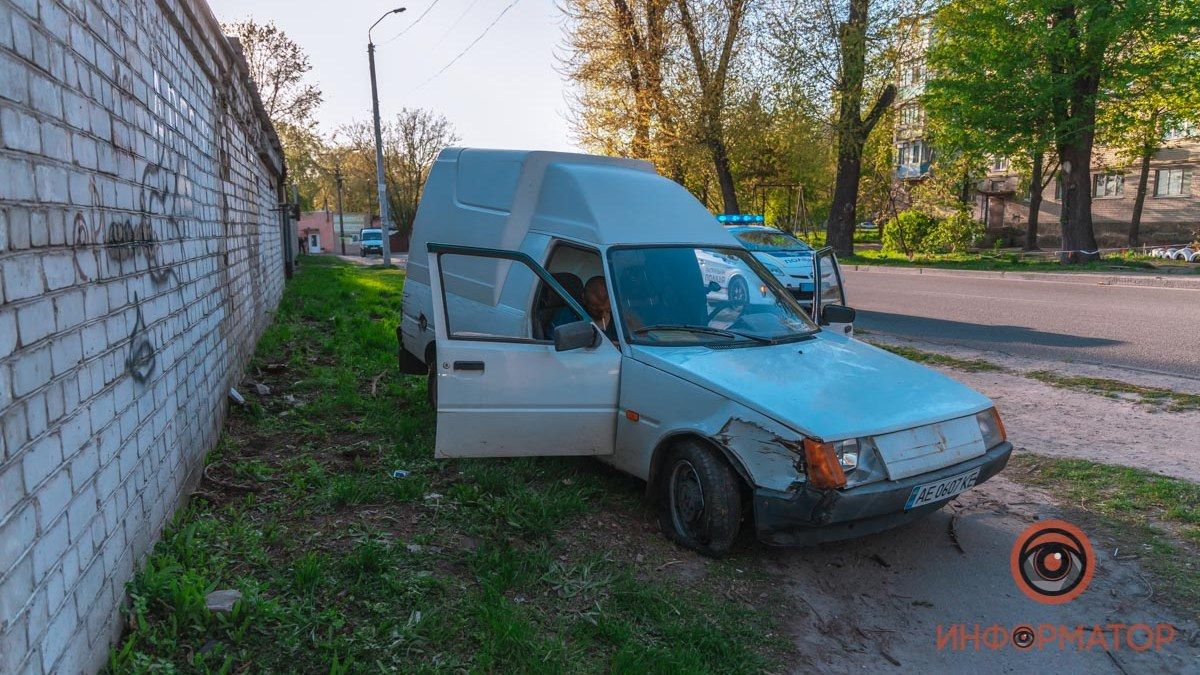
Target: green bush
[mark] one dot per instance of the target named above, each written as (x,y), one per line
(912,232)
(906,232)
(952,235)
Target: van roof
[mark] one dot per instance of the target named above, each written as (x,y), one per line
(493,198)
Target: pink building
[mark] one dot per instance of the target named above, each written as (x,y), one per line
(321,232)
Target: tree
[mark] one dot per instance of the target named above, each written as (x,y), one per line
(278,67)
(1135,120)
(620,57)
(1045,68)
(711,61)
(991,93)
(655,80)
(844,52)
(411,143)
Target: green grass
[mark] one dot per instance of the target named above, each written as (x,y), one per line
(1154,397)
(816,238)
(1153,516)
(1018,262)
(935,359)
(479,565)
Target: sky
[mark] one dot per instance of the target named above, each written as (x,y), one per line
(506,92)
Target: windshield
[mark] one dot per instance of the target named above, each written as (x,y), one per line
(764,240)
(368,235)
(711,296)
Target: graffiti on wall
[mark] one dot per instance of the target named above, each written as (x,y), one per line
(142,353)
(124,241)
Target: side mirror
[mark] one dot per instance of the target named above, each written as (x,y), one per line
(713,287)
(836,314)
(575,335)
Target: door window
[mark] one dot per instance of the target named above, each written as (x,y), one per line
(492,297)
(829,281)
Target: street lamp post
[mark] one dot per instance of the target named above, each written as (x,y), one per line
(337,176)
(386,246)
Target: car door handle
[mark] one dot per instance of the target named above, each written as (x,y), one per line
(469,365)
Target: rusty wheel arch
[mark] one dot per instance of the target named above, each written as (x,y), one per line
(668,442)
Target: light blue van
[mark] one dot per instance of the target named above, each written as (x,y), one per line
(559,305)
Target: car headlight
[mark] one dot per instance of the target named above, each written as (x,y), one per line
(991,428)
(858,462)
(847,454)
(774,269)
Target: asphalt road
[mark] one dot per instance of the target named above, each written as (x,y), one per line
(1058,318)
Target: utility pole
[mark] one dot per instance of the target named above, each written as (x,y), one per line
(337,176)
(382,186)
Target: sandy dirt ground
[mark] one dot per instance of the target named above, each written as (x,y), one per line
(875,604)
(1065,423)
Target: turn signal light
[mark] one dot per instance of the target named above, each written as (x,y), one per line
(821,463)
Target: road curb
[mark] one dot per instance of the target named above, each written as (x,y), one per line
(1093,278)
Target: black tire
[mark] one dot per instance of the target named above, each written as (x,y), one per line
(700,501)
(739,292)
(431,385)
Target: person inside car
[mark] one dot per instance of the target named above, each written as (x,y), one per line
(599,309)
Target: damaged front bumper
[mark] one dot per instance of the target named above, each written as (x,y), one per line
(812,516)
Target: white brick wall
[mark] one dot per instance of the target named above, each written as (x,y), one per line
(140,254)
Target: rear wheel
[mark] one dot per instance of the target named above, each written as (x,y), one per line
(700,503)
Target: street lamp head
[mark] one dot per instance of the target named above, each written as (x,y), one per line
(385,15)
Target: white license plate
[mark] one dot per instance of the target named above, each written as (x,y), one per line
(941,489)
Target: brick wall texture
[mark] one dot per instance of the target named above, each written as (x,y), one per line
(141,254)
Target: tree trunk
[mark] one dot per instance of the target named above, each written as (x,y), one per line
(1074,120)
(1078,237)
(839,230)
(1035,202)
(1135,223)
(852,128)
(720,157)
(711,78)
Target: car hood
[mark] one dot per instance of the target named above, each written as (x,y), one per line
(787,259)
(830,387)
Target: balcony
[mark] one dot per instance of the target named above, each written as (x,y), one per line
(912,171)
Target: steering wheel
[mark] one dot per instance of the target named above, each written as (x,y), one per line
(724,305)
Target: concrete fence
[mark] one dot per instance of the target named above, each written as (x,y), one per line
(141,254)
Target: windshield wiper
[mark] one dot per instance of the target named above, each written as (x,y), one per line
(703,329)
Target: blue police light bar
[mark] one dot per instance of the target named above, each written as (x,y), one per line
(740,218)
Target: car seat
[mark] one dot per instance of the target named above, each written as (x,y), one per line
(550,303)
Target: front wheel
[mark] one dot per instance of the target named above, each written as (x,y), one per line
(700,503)
(739,292)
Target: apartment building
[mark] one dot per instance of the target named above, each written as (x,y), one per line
(1170,214)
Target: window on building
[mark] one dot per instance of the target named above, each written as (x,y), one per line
(910,74)
(1176,130)
(1108,185)
(999,164)
(910,115)
(913,154)
(1170,183)
(1058,188)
